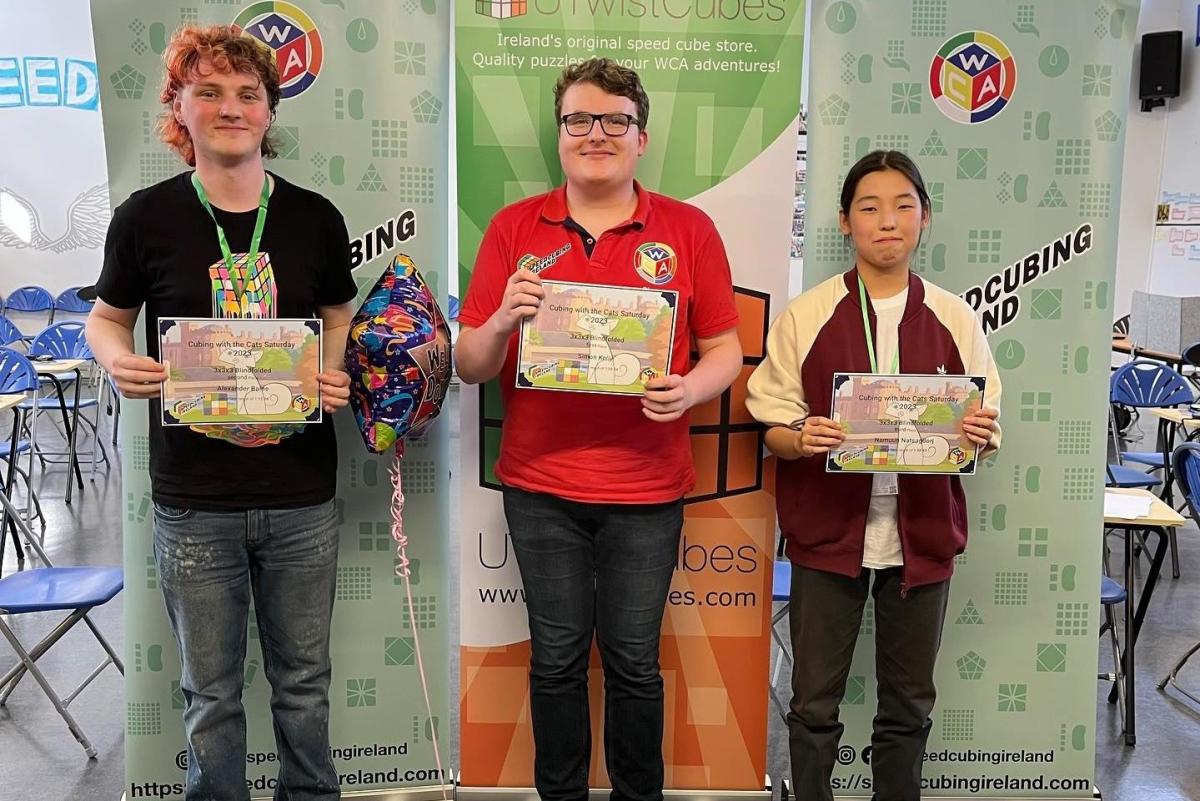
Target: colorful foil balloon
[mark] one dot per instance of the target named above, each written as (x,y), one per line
(398,357)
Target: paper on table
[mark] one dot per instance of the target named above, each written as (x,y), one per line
(1126,507)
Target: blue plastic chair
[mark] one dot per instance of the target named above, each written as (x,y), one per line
(781,592)
(69,301)
(1111,594)
(31,300)
(75,590)
(62,341)
(9,333)
(16,372)
(66,341)
(17,376)
(1186,461)
(1143,384)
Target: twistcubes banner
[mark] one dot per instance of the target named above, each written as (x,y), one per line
(723,78)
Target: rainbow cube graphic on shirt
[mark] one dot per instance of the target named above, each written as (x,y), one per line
(880,455)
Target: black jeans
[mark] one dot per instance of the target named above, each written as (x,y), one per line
(603,570)
(825,615)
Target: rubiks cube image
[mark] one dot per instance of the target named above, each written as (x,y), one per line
(880,455)
(215,403)
(501,9)
(568,372)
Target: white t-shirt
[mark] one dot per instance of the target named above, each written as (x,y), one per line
(881,548)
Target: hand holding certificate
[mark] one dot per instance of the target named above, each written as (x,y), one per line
(235,371)
(592,338)
(908,423)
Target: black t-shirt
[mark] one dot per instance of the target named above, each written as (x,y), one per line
(162,251)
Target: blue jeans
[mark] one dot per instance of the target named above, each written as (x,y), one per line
(210,564)
(603,570)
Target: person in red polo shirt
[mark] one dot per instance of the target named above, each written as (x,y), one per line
(594,484)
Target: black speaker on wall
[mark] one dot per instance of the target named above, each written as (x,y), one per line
(1162,61)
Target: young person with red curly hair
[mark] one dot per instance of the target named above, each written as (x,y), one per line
(245,512)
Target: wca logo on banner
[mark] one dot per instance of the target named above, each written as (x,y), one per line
(292,36)
(972,77)
(42,81)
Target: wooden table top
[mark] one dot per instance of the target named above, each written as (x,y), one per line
(1160,513)
(1123,345)
(58,366)
(9,401)
(1179,417)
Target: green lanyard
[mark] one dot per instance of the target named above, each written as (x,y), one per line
(239,284)
(862,296)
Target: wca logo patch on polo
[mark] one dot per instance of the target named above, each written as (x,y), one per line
(655,262)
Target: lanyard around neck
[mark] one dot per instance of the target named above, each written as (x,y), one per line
(239,282)
(862,296)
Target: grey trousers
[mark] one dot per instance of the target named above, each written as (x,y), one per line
(825,616)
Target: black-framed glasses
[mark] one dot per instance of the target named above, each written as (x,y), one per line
(581,122)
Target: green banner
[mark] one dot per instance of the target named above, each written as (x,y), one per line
(1015,114)
(363,121)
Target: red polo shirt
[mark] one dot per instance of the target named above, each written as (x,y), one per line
(601,448)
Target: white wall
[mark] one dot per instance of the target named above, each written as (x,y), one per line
(49,155)
(1162,154)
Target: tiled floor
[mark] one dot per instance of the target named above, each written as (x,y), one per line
(39,759)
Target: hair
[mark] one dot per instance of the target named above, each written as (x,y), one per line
(879,161)
(226,49)
(609,76)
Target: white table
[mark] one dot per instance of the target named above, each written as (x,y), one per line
(50,370)
(1160,518)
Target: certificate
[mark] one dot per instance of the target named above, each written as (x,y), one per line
(904,423)
(236,371)
(593,338)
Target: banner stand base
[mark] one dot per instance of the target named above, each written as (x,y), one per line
(432,792)
(1095,796)
(601,794)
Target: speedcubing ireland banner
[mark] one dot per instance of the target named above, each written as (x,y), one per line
(363,121)
(1015,113)
(723,78)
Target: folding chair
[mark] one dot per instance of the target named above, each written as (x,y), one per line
(17,377)
(30,300)
(76,590)
(69,302)
(1120,327)
(1143,384)
(9,333)
(1190,368)
(1186,459)
(64,341)
(1112,593)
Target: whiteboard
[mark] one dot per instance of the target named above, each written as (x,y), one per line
(1175,260)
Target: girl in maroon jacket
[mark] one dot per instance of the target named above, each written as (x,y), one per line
(891,536)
